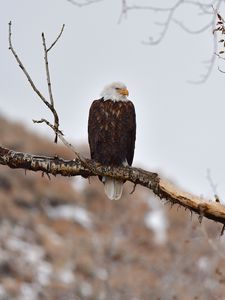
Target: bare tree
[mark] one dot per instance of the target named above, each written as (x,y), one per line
(85,167)
(168,12)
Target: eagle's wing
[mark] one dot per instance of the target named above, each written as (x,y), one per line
(132,131)
(93,127)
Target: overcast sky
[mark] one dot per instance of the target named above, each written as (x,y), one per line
(180,126)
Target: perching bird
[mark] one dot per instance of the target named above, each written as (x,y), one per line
(112,133)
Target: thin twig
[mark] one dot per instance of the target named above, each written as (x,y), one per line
(222,230)
(219,69)
(193,31)
(211,61)
(58,37)
(86,3)
(46,50)
(133,189)
(212,185)
(61,137)
(219,56)
(212,242)
(169,12)
(165,25)
(56,118)
(47,69)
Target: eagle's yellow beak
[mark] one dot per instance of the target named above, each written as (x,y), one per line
(124,92)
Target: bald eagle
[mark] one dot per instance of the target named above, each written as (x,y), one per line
(112,133)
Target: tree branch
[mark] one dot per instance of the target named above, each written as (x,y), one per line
(46,50)
(56,40)
(164,190)
(64,141)
(168,12)
(50,103)
(220,30)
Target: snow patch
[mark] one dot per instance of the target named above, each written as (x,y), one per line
(102,274)
(44,272)
(156,221)
(203,264)
(86,289)
(3,293)
(70,212)
(27,292)
(31,253)
(66,276)
(79,183)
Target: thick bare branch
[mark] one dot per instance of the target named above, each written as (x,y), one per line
(164,190)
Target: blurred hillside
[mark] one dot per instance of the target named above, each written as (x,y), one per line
(62,239)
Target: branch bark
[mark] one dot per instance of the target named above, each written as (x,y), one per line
(164,190)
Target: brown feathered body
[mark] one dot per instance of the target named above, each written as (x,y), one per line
(112,132)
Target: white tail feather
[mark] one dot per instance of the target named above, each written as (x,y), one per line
(113,188)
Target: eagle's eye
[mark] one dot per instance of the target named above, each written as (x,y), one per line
(117,88)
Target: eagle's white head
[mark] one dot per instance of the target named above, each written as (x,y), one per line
(116,91)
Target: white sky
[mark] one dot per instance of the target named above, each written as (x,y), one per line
(180,125)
